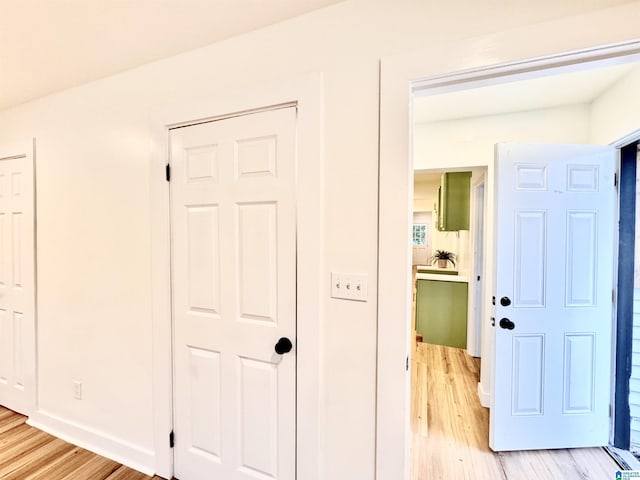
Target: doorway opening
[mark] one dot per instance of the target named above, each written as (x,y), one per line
(456,125)
(451,202)
(627,380)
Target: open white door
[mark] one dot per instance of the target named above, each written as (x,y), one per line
(554,279)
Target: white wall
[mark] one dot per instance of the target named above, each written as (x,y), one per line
(616,112)
(93,161)
(425,195)
(470,141)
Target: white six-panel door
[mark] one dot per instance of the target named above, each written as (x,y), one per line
(234,296)
(554,280)
(17,282)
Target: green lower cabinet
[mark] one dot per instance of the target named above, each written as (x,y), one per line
(441,312)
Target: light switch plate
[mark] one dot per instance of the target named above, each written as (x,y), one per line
(349,286)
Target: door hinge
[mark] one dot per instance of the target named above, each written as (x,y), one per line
(167,171)
(171,440)
(610,411)
(615,179)
(407,364)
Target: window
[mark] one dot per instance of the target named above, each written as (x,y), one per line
(419,234)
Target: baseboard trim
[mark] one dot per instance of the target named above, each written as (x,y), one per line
(120,451)
(484,396)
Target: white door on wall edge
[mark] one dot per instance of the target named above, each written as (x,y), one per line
(17,281)
(555,210)
(234,297)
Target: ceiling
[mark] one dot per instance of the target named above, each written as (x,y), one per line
(50,45)
(576,87)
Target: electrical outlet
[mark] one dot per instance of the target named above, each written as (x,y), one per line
(349,286)
(77,390)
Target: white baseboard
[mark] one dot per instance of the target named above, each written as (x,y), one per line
(118,450)
(484,396)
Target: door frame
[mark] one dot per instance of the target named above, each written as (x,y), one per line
(471,60)
(26,148)
(624,294)
(305,92)
(477,242)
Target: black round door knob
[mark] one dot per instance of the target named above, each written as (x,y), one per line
(283,346)
(507,324)
(505,301)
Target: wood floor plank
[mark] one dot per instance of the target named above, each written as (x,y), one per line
(9,434)
(36,462)
(451,440)
(124,473)
(9,422)
(64,465)
(21,440)
(96,467)
(17,458)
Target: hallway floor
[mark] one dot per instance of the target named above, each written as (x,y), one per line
(27,453)
(450,430)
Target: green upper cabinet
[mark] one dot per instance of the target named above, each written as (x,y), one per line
(453,201)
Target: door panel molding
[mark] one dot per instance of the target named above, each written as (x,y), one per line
(305,92)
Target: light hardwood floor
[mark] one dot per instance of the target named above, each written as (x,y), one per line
(450,430)
(27,453)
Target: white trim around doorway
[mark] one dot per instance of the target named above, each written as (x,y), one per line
(306,93)
(521,51)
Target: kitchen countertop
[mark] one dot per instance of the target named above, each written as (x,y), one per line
(449,269)
(442,278)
